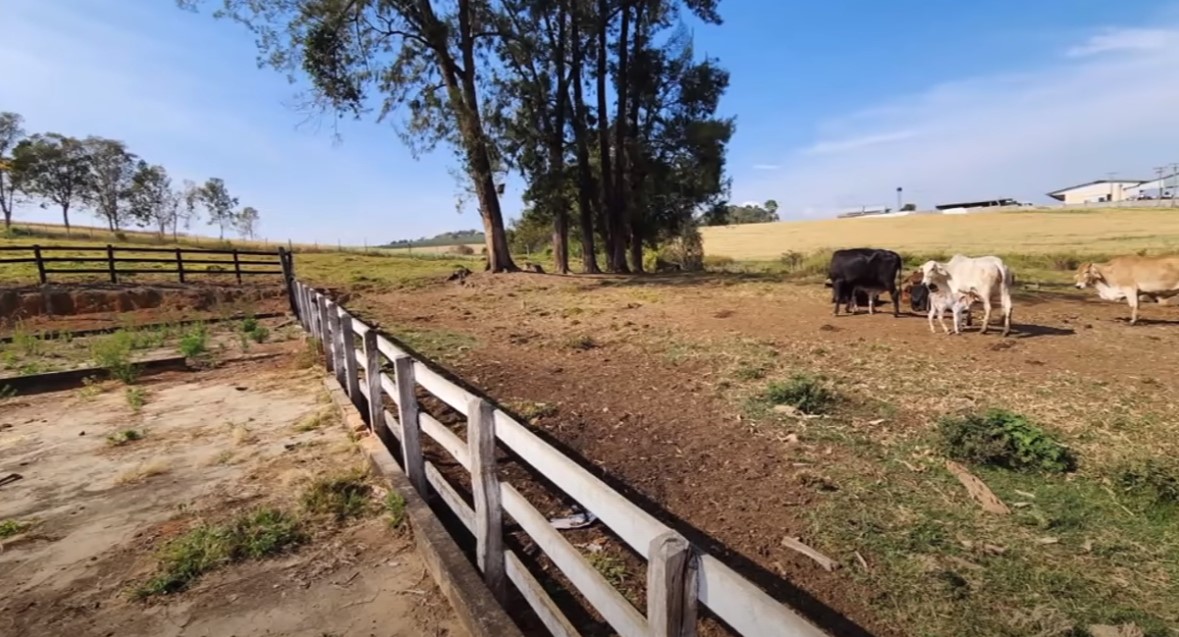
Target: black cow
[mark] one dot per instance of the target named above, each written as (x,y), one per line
(868,269)
(919,297)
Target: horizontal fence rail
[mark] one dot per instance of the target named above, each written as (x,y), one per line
(680,576)
(119,260)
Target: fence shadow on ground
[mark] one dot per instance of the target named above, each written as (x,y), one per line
(781,589)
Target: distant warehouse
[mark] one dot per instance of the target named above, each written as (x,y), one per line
(1099,191)
(986,203)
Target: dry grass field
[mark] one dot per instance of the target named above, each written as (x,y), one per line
(1097,232)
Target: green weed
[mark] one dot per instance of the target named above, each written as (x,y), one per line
(120,438)
(1004,439)
(395,508)
(610,567)
(804,392)
(113,353)
(340,497)
(1155,479)
(136,398)
(195,341)
(9,528)
(253,535)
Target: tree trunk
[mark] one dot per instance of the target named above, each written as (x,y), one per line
(557,152)
(618,209)
(606,178)
(65,216)
(636,249)
(585,180)
(463,96)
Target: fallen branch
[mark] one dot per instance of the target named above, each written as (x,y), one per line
(978,489)
(795,544)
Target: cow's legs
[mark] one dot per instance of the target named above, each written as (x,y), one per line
(1005,301)
(896,300)
(871,302)
(932,311)
(1132,298)
(837,289)
(986,314)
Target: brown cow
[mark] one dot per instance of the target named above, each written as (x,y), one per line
(1131,276)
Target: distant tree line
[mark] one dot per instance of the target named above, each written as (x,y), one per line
(103,177)
(724,214)
(602,106)
(459,237)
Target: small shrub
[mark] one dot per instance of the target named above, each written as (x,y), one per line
(1157,479)
(583,342)
(717,261)
(461,249)
(340,497)
(120,235)
(9,528)
(120,438)
(804,392)
(136,398)
(1004,439)
(195,342)
(27,342)
(249,324)
(260,334)
(113,353)
(395,509)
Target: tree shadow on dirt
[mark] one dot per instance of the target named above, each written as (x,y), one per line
(687,279)
(1034,331)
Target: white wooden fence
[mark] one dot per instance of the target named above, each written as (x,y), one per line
(678,574)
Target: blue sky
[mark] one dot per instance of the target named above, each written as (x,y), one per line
(837,104)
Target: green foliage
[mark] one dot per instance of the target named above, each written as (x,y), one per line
(136,398)
(9,528)
(1157,479)
(1004,439)
(255,330)
(253,535)
(340,497)
(444,239)
(804,392)
(113,353)
(395,509)
(195,341)
(120,438)
(53,167)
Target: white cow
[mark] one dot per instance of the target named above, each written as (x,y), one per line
(981,276)
(942,299)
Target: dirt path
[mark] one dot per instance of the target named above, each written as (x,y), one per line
(212,444)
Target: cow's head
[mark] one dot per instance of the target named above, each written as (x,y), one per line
(934,274)
(1087,275)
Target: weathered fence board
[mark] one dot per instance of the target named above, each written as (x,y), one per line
(278,261)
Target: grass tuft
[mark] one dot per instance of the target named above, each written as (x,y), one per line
(113,353)
(340,497)
(136,398)
(254,535)
(9,528)
(804,392)
(1155,479)
(120,438)
(195,341)
(1004,439)
(395,509)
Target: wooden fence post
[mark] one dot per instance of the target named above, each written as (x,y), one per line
(237,267)
(489,513)
(40,264)
(180,264)
(110,262)
(672,582)
(337,342)
(411,430)
(288,276)
(325,332)
(348,334)
(372,375)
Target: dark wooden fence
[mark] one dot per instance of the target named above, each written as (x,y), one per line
(181,262)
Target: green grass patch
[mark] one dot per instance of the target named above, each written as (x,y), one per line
(395,509)
(195,341)
(122,437)
(254,535)
(339,497)
(805,392)
(9,528)
(610,567)
(136,398)
(113,353)
(1154,480)
(1004,439)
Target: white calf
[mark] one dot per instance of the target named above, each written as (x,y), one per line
(942,299)
(981,276)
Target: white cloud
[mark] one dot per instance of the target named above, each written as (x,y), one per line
(1120,40)
(766,166)
(856,143)
(1017,134)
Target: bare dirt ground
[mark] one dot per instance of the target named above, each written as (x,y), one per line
(651,379)
(214,443)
